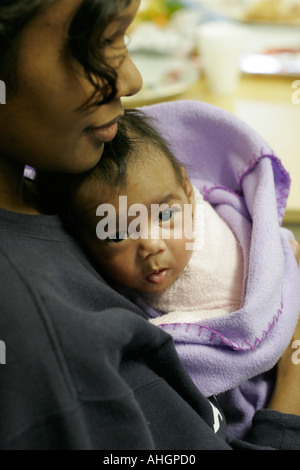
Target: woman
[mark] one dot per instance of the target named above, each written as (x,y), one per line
(84,369)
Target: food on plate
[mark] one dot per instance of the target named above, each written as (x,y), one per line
(279,11)
(158,11)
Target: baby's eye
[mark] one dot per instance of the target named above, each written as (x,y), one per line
(166,215)
(117,237)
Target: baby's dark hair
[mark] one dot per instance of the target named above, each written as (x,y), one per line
(135,129)
(59,191)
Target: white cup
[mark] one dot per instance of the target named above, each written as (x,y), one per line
(220,44)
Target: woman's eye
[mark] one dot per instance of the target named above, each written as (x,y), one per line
(118,237)
(166,215)
(119,41)
(106,42)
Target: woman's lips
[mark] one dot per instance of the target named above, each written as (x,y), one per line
(158,277)
(105,133)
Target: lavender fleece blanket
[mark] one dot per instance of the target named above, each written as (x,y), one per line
(237,172)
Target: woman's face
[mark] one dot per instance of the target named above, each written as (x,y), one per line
(41,124)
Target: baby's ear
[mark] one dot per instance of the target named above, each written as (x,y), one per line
(187,186)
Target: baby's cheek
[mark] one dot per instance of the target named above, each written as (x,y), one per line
(122,271)
(181,254)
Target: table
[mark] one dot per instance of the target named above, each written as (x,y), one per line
(269,105)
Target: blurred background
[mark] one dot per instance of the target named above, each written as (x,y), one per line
(240,55)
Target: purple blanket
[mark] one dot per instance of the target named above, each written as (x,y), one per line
(241,177)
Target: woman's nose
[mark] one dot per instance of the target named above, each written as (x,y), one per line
(150,246)
(129,78)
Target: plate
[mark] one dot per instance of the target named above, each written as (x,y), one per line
(285,63)
(164,77)
(271,50)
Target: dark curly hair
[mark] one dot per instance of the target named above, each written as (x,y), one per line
(85,40)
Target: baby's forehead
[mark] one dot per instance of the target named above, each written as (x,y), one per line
(147,167)
(146,161)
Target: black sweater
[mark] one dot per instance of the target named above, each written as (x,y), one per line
(85,369)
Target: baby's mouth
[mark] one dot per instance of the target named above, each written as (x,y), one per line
(158,276)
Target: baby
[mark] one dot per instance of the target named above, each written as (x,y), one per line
(148,229)
(151,234)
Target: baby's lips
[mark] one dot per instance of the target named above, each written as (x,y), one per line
(158,277)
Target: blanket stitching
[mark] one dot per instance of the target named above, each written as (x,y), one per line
(233,344)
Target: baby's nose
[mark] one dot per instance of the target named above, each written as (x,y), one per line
(150,246)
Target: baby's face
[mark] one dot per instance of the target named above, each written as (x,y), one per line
(143,233)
